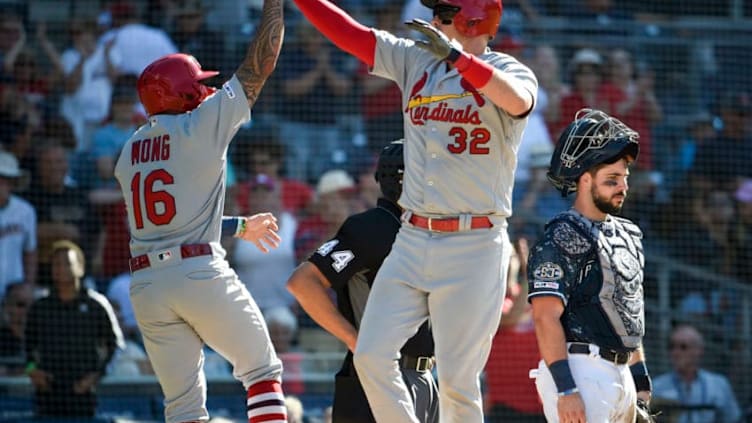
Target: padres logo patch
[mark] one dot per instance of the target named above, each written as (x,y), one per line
(548,272)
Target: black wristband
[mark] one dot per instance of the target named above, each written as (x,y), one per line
(562,375)
(454,54)
(641,377)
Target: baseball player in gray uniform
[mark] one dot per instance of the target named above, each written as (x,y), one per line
(172,174)
(465,108)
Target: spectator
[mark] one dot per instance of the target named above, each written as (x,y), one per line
(15,307)
(63,212)
(134,45)
(585,74)
(265,274)
(18,228)
(545,64)
(511,395)
(743,197)
(283,330)
(192,36)
(118,293)
(699,132)
(533,196)
(704,396)
(724,160)
(628,94)
(18,121)
(12,40)
(130,360)
(260,151)
(603,12)
(334,194)
(381,102)
(71,335)
(314,81)
(30,80)
(709,241)
(108,139)
(88,73)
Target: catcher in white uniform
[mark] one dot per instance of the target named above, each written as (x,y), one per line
(585,282)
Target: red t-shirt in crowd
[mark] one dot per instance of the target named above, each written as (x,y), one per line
(296,196)
(514,352)
(116,242)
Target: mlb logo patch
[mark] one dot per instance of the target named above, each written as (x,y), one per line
(164,256)
(228,90)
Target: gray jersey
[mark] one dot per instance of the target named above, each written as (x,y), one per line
(167,165)
(456,160)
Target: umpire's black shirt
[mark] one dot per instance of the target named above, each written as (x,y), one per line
(351,259)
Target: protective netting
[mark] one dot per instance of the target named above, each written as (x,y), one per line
(676,71)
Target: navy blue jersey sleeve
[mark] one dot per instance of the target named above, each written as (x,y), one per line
(342,256)
(554,262)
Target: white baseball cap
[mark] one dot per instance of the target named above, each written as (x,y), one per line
(9,166)
(586,56)
(334,180)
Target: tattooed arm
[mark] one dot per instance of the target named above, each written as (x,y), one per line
(263,52)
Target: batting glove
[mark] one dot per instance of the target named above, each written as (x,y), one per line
(436,43)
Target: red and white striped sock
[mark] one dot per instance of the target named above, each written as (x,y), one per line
(266,403)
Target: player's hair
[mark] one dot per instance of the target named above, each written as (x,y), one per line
(65,245)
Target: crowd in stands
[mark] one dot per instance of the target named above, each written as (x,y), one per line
(68,104)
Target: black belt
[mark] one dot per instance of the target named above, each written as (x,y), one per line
(421,364)
(608,355)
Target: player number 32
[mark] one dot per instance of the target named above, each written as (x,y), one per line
(158,204)
(479,137)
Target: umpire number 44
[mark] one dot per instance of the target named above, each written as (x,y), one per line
(340,259)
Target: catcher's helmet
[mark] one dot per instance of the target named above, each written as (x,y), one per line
(171,84)
(470,17)
(390,169)
(592,139)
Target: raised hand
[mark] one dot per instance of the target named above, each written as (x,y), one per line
(437,42)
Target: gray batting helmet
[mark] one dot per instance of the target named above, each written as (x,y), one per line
(592,139)
(390,169)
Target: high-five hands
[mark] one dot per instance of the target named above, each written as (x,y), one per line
(436,43)
(261,229)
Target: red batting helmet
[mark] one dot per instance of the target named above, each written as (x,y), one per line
(474,17)
(171,84)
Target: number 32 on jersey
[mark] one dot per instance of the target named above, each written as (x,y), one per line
(474,142)
(340,259)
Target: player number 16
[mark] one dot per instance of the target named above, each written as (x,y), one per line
(152,198)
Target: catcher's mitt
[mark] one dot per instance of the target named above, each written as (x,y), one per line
(643,414)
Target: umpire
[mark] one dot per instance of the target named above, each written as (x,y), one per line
(348,263)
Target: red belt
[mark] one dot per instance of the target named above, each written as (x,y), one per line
(186,251)
(448,224)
